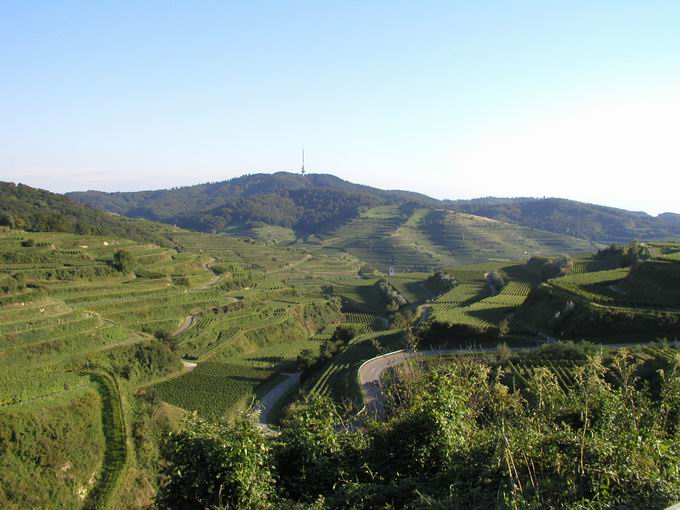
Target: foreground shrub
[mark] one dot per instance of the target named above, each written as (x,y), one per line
(216,465)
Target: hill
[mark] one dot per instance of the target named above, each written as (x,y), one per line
(414,238)
(586,221)
(306,204)
(317,203)
(83,343)
(37,210)
(611,302)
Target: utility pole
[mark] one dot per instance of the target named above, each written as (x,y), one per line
(303,162)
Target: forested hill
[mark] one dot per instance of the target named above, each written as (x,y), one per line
(577,219)
(320,202)
(305,203)
(32,209)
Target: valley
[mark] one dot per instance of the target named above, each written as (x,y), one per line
(107,343)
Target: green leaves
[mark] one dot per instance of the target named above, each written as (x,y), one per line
(210,465)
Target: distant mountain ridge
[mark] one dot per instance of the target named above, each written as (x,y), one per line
(315,203)
(586,221)
(304,203)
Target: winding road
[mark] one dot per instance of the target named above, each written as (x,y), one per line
(269,400)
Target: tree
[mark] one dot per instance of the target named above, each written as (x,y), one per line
(211,465)
(626,256)
(441,281)
(503,353)
(7,220)
(308,458)
(495,281)
(635,252)
(504,327)
(165,337)
(343,335)
(558,266)
(306,360)
(122,261)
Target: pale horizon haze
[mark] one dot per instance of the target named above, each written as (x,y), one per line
(578,100)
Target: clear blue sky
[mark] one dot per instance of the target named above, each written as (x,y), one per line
(454,99)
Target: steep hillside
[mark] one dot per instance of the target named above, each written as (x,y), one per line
(616,303)
(421,239)
(37,210)
(587,221)
(88,347)
(670,218)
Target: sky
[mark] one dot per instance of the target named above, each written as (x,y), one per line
(577,99)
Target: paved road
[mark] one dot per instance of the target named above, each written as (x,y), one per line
(270,399)
(189,365)
(214,278)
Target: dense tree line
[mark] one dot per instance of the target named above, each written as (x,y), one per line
(625,255)
(317,201)
(586,221)
(393,299)
(26,208)
(307,204)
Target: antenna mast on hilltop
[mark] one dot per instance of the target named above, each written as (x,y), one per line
(303,162)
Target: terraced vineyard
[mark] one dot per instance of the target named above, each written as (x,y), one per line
(245,252)
(471,303)
(419,239)
(213,389)
(597,287)
(239,312)
(66,312)
(469,238)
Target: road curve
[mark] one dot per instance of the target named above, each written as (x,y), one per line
(269,400)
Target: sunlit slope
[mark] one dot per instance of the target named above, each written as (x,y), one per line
(639,302)
(422,239)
